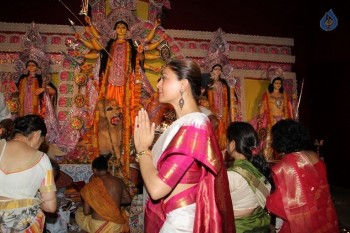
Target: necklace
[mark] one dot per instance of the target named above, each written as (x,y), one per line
(278,101)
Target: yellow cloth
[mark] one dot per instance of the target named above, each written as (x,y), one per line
(219,105)
(87,223)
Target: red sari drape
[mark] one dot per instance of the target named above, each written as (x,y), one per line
(302,197)
(214,211)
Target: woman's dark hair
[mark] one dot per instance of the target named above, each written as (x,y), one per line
(212,68)
(289,136)
(27,124)
(246,139)
(105,55)
(7,128)
(32,61)
(188,69)
(270,87)
(100,163)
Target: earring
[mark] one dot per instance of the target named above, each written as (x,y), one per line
(181,101)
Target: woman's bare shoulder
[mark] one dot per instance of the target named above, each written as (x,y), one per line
(20,149)
(18,155)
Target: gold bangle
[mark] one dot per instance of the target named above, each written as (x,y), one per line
(139,154)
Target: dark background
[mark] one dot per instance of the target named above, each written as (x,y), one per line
(322,58)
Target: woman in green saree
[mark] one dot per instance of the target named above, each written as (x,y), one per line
(249,179)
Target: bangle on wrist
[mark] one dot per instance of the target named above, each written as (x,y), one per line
(141,153)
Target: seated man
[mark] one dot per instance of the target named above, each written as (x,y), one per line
(102,199)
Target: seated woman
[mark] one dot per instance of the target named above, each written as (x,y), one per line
(23,172)
(249,179)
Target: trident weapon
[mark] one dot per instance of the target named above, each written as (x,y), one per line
(72,24)
(299,99)
(91,34)
(85,13)
(71,11)
(70,58)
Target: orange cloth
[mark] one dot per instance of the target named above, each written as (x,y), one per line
(219,105)
(122,82)
(287,111)
(98,197)
(38,224)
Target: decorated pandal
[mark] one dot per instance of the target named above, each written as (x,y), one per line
(99,90)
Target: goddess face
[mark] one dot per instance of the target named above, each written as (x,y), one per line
(277,84)
(31,67)
(216,72)
(121,29)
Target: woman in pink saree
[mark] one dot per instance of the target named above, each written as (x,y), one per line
(184,174)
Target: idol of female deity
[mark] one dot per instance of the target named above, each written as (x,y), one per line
(275,105)
(121,67)
(219,103)
(31,88)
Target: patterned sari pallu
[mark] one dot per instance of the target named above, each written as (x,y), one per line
(23,215)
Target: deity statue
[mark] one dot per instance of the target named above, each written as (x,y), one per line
(218,86)
(36,93)
(219,103)
(31,88)
(275,105)
(119,46)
